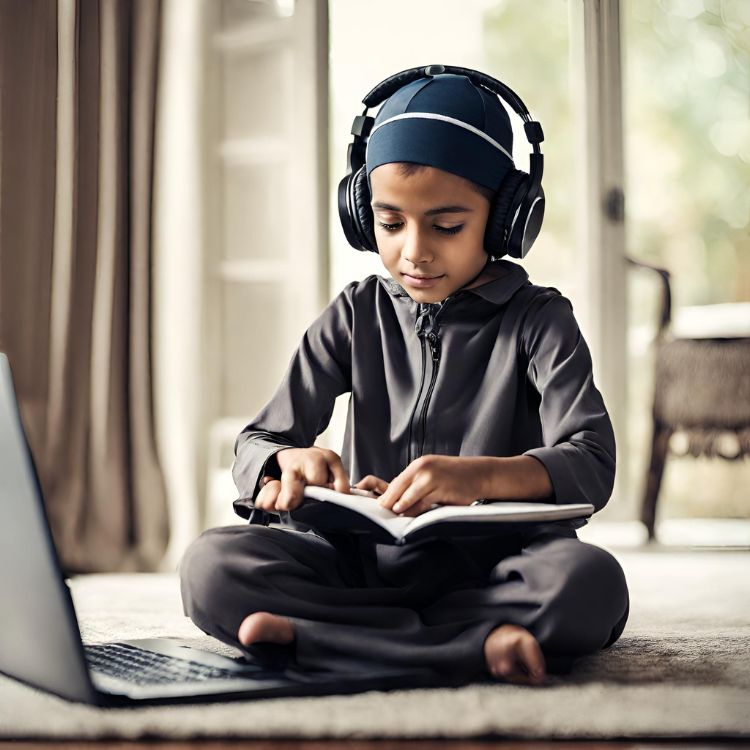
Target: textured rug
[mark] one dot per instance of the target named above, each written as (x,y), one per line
(680,669)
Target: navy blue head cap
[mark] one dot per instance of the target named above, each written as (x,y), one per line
(444,121)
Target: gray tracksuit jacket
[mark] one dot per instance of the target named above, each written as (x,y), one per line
(498,370)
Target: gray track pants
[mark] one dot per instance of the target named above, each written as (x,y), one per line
(431,604)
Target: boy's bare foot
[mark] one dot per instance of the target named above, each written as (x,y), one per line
(263,626)
(512,654)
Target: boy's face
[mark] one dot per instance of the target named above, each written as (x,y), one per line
(417,240)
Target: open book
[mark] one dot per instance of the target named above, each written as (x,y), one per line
(360,512)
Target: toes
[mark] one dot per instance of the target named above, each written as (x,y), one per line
(516,676)
(264,626)
(513,674)
(254,627)
(505,669)
(532,658)
(499,668)
(521,662)
(245,632)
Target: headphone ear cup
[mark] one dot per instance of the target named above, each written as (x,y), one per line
(501,212)
(345,214)
(528,224)
(363,209)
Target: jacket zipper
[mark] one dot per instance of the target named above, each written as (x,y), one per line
(419,395)
(429,332)
(434,342)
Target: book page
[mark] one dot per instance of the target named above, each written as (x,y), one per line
(503,510)
(366,503)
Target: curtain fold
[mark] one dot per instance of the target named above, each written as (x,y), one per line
(83,369)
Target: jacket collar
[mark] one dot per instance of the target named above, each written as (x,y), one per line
(498,291)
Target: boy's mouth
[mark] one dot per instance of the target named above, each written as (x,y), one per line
(422,281)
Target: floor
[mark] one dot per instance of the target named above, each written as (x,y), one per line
(379,745)
(676,537)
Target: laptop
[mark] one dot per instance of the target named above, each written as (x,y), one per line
(41,644)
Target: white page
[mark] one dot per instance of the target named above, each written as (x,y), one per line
(501,511)
(367,504)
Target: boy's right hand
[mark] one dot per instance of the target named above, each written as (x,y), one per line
(301,466)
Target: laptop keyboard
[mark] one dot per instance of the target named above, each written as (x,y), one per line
(147,667)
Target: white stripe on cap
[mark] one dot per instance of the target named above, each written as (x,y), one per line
(436,116)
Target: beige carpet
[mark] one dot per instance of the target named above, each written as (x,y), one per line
(680,669)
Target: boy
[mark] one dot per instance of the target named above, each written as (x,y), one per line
(467,382)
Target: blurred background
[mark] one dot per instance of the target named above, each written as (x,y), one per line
(169,229)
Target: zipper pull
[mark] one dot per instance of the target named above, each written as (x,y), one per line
(433,339)
(427,313)
(424,311)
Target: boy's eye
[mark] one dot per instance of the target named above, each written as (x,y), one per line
(389,227)
(444,230)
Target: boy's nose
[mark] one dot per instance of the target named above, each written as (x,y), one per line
(415,249)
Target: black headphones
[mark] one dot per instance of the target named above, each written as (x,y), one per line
(517,208)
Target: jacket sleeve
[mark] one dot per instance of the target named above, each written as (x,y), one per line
(301,407)
(579,443)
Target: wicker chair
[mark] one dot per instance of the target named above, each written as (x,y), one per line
(701,389)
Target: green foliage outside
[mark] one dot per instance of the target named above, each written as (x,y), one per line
(687,97)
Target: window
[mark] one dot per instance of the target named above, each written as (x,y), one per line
(688,204)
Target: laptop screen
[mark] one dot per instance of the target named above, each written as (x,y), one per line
(40,642)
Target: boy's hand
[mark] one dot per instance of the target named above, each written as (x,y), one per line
(301,466)
(434,479)
(374,484)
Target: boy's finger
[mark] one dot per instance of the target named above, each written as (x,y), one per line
(292,486)
(403,505)
(266,498)
(371,482)
(410,499)
(394,491)
(314,469)
(340,478)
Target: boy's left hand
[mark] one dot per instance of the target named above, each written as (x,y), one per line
(434,479)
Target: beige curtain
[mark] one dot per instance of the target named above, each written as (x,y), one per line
(77,93)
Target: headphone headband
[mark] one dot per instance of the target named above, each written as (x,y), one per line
(363,124)
(390,85)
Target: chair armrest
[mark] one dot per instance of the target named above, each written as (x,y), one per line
(665,314)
